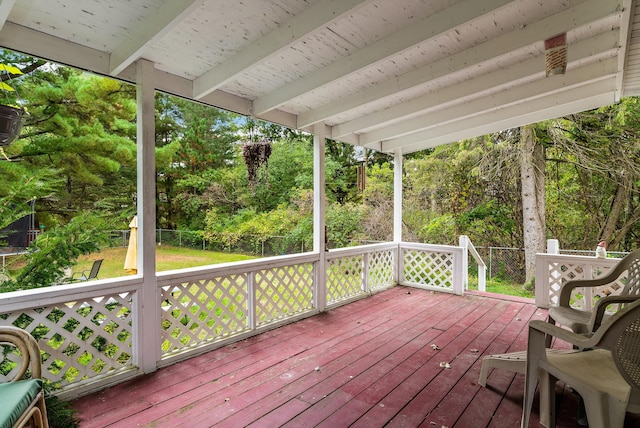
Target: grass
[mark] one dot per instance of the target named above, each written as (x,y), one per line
(495,285)
(170,257)
(167,258)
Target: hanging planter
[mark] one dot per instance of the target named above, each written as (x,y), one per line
(10,124)
(10,115)
(255,155)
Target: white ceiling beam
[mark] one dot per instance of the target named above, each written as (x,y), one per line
(564,21)
(626,23)
(39,44)
(170,14)
(319,15)
(5,9)
(515,95)
(582,104)
(419,32)
(601,44)
(549,106)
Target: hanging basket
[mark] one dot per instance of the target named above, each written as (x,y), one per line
(10,124)
(255,155)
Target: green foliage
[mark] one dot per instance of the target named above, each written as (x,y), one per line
(60,414)
(56,250)
(344,224)
(377,200)
(290,168)
(77,153)
(196,142)
(441,229)
(81,128)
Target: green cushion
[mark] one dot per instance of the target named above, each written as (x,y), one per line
(15,398)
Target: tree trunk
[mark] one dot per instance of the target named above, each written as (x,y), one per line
(620,199)
(532,166)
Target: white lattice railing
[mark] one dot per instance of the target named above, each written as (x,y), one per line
(434,267)
(553,270)
(220,303)
(85,331)
(357,271)
(93,334)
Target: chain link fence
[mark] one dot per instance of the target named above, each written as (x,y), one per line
(503,263)
(253,245)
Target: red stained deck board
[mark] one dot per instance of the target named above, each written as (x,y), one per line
(375,361)
(272,382)
(370,389)
(499,311)
(311,388)
(323,408)
(250,375)
(168,382)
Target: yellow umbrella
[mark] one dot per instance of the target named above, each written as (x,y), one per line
(131,260)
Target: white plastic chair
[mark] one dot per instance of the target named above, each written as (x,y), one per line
(606,374)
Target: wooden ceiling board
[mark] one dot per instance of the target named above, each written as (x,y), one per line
(371,70)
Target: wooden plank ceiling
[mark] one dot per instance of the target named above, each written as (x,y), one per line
(384,74)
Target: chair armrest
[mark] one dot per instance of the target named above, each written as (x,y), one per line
(78,276)
(601,306)
(578,340)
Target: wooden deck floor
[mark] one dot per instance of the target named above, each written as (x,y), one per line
(371,363)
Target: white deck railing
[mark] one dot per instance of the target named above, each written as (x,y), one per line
(90,333)
(553,270)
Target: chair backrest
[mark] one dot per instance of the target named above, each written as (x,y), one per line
(12,337)
(622,337)
(95,269)
(632,263)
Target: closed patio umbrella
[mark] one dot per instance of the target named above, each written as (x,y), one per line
(131,260)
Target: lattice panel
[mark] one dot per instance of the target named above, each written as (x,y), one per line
(559,273)
(203,311)
(381,269)
(80,340)
(428,268)
(282,292)
(10,357)
(344,278)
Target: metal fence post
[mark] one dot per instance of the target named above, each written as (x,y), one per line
(490,259)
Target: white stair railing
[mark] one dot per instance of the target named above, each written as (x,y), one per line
(469,248)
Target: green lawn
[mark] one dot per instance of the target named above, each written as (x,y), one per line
(502,287)
(167,258)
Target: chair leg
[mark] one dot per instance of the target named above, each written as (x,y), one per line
(43,412)
(484,369)
(547,399)
(529,391)
(604,411)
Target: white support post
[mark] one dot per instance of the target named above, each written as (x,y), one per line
(553,246)
(463,242)
(397,196)
(148,321)
(397,213)
(319,231)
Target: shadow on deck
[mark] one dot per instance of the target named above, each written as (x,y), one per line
(372,363)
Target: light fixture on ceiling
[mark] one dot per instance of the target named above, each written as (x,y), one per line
(555,54)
